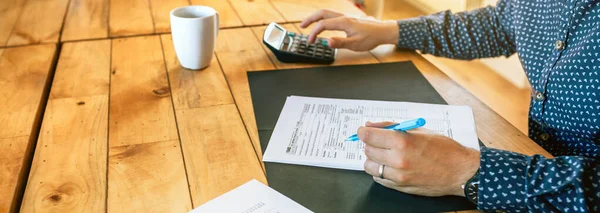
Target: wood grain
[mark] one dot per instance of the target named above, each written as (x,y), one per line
(191,88)
(228,17)
(235,66)
(9,14)
(24,79)
(131,17)
(147,177)
(11,166)
(40,22)
(296,10)
(83,70)
(141,110)
(218,152)
(146,169)
(344,56)
(236,40)
(86,19)
(493,130)
(256,12)
(161,13)
(237,54)
(68,172)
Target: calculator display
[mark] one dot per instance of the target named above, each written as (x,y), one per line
(275,37)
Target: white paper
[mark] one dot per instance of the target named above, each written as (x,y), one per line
(252,197)
(312,131)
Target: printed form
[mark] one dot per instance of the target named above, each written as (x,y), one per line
(252,197)
(313,131)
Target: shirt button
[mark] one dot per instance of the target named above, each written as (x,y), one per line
(539,96)
(559,45)
(545,136)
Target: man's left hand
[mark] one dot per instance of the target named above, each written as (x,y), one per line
(418,161)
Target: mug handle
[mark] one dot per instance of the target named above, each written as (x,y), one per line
(217,20)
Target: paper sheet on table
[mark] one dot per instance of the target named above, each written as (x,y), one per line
(252,197)
(312,131)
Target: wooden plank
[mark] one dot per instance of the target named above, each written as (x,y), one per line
(256,12)
(236,40)
(40,22)
(235,65)
(147,177)
(68,172)
(83,70)
(24,79)
(218,152)
(86,19)
(161,10)
(228,17)
(146,169)
(493,130)
(344,56)
(194,89)
(131,17)
(9,14)
(11,166)
(236,58)
(141,110)
(296,10)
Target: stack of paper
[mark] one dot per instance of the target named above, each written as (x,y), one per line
(252,197)
(312,131)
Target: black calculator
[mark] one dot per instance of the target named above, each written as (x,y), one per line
(293,47)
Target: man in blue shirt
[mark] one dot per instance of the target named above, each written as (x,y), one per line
(558,43)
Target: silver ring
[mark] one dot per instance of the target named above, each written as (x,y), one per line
(381,171)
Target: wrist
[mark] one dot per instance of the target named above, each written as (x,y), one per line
(390,32)
(471,167)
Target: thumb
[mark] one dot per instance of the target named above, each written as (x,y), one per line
(339,42)
(379,124)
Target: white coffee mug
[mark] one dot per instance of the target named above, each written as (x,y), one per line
(194,30)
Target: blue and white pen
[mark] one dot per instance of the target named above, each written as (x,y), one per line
(403,126)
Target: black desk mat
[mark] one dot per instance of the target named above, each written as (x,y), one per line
(335,190)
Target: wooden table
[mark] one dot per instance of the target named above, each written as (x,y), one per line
(121,127)
(26,22)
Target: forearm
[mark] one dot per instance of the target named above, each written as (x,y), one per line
(515,182)
(480,33)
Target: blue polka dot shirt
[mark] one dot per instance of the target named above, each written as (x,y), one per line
(558,43)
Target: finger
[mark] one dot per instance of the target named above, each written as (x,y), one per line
(379,155)
(379,124)
(385,182)
(339,42)
(382,138)
(403,188)
(319,15)
(372,168)
(337,23)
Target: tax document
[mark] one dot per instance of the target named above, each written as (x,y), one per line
(313,131)
(252,197)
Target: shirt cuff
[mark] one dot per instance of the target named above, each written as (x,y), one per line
(412,33)
(502,180)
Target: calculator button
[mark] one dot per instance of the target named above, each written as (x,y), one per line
(324,42)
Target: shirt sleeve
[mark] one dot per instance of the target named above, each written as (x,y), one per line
(482,33)
(519,183)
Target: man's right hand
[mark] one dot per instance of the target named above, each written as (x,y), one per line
(361,34)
